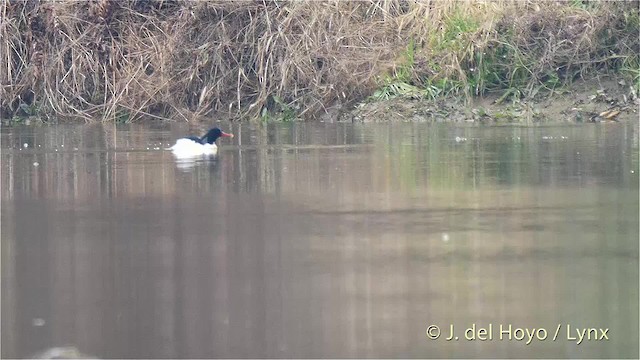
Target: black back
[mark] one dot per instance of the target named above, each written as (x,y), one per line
(194,138)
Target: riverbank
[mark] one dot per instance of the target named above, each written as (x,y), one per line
(126,61)
(602,99)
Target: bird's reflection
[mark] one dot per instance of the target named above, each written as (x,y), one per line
(188,163)
(67,352)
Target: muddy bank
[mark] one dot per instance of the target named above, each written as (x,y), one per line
(601,99)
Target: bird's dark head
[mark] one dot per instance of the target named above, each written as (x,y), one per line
(212,135)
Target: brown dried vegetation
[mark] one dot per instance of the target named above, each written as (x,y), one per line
(124,60)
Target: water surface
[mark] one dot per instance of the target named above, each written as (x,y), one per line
(319,240)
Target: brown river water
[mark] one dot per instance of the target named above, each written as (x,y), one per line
(321,240)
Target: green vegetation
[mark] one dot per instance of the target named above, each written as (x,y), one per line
(535,49)
(278,111)
(126,60)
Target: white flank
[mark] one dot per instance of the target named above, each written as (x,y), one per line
(189,148)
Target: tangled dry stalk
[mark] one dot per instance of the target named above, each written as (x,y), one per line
(125,60)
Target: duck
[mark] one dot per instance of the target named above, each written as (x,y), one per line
(194,146)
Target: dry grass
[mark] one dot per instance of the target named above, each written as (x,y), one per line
(125,60)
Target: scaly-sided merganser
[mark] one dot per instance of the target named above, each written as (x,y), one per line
(194,146)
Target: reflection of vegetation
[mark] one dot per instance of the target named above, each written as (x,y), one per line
(409,213)
(444,158)
(350,157)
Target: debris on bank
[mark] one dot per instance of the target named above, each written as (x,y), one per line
(598,100)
